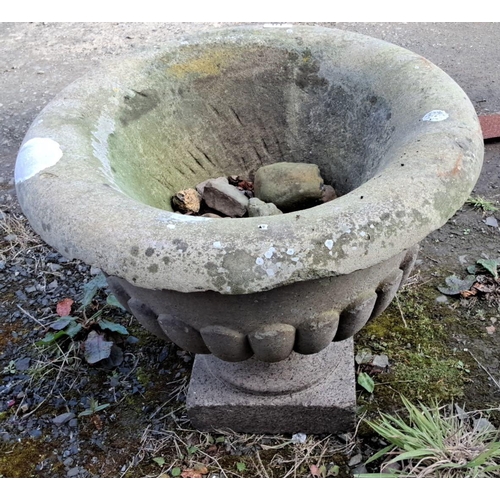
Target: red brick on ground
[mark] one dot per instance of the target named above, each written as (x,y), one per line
(490,125)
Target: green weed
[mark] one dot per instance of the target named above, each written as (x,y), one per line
(436,442)
(481,203)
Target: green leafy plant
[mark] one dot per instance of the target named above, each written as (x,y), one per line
(176,472)
(70,326)
(436,442)
(96,333)
(10,369)
(491,265)
(93,408)
(366,382)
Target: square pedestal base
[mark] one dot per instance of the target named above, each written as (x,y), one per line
(327,407)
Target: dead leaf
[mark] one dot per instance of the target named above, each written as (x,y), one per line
(484,288)
(314,470)
(64,307)
(455,285)
(468,293)
(96,420)
(201,469)
(491,329)
(191,473)
(96,348)
(245,185)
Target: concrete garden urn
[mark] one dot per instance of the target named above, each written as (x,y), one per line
(268,304)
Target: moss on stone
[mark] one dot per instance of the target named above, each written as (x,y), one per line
(423,364)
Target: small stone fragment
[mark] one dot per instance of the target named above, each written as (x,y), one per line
(22,364)
(300,437)
(355,460)
(491,221)
(329,194)
(258,208)
(201,186)
(188,200)
(391,468)
(73,472)
(52,285)
(63,418)
(290,186)
(442,299)
(224,198)
(380,361)
(483,425)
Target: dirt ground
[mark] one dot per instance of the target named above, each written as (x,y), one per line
(129,437)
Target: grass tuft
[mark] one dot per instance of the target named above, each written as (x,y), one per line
(481,203)
(436,442)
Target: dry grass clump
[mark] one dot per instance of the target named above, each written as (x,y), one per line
(16,235)
(437,442)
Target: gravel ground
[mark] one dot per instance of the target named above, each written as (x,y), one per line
(63,417)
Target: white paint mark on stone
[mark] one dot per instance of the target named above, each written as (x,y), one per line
(171,226)
(290,251)
(263,227)
(329,244)
(436,115)
(259,261)
(362,234)
(228,289)
(36,155)
(270,252)
(278,25)
(295,259)
(270,272)
(372,226)
(217,244)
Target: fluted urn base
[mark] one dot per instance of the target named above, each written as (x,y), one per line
(312,394)
(279,361)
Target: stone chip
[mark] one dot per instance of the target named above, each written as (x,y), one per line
(225,198)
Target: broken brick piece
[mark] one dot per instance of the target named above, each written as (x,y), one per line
(490,125)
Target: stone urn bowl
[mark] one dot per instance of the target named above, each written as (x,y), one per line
(269,304)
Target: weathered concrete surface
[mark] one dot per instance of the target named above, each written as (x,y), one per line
(109,151)
(304,317)
(284,397)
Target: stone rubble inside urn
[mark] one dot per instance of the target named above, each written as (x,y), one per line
(274,189)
